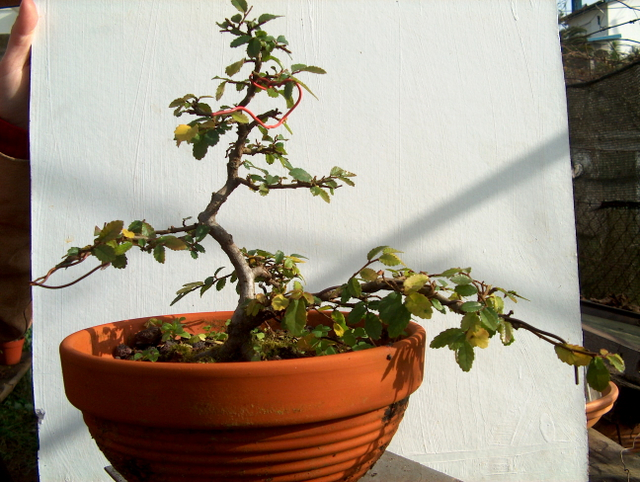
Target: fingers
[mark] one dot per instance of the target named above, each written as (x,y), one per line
(15,68)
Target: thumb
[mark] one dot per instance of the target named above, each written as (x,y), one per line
(15,67)
(19,45)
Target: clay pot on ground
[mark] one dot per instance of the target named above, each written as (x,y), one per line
(11,352)
(325,418)
(599,406)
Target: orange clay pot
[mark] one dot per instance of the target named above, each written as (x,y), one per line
(11,352)
(598,407)
(316,419)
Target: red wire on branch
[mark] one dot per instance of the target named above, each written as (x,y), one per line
(269,84)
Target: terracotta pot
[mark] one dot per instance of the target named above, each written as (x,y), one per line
(316,419)
(598,407)
(11,352)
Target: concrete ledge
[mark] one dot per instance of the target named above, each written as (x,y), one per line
(394,468)
(390,468)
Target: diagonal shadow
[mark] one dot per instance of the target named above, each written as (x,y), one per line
(516,173)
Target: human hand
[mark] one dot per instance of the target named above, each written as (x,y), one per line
(15,68)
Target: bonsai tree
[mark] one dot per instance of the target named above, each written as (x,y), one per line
(372,307)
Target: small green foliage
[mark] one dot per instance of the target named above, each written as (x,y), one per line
(149,354)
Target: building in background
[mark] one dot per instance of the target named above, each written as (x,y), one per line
(608,24)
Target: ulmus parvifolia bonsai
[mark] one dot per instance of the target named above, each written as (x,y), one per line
(373,307)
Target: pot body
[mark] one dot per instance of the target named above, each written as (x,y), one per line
(600,406)
(316,419)
(11,352)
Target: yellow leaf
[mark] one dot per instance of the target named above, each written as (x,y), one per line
(496,303)
(368,274)
(570,357)
(415,282)
(185,133)
(479,338)
(419,305)
(128,234)
(239,117)
(338,329)
(280,302)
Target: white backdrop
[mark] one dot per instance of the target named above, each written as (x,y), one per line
(453,116)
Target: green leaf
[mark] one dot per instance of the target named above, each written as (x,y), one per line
(159,253)
(438,306)
(338,317)
(393,312)
(110,231)
(254,48)
(450,337)
(496,303)
(374,252)
(318,191)
(200,149)
(241,40)
(295,68)
(173,243)
(120,262)
(461,279)
(368,274)
(75,251)
(122,248)
(300,175)
(201,231)
(357,312)
(470,322)
(373,326)
(239,117)
(390,259)
(419,305)
(466,290)
(506,333)
(295,317)
(266,17)
(220,90)
(241,5)
(471,306)
(354,288)
(104,253)
(489,319)
(234,68)
(616,361)
(464,356)
(597,374)
(304,86)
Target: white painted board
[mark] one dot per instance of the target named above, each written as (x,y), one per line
(453,116)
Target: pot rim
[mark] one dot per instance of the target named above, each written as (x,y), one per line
(68,344)
(275,392)
(609,396)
